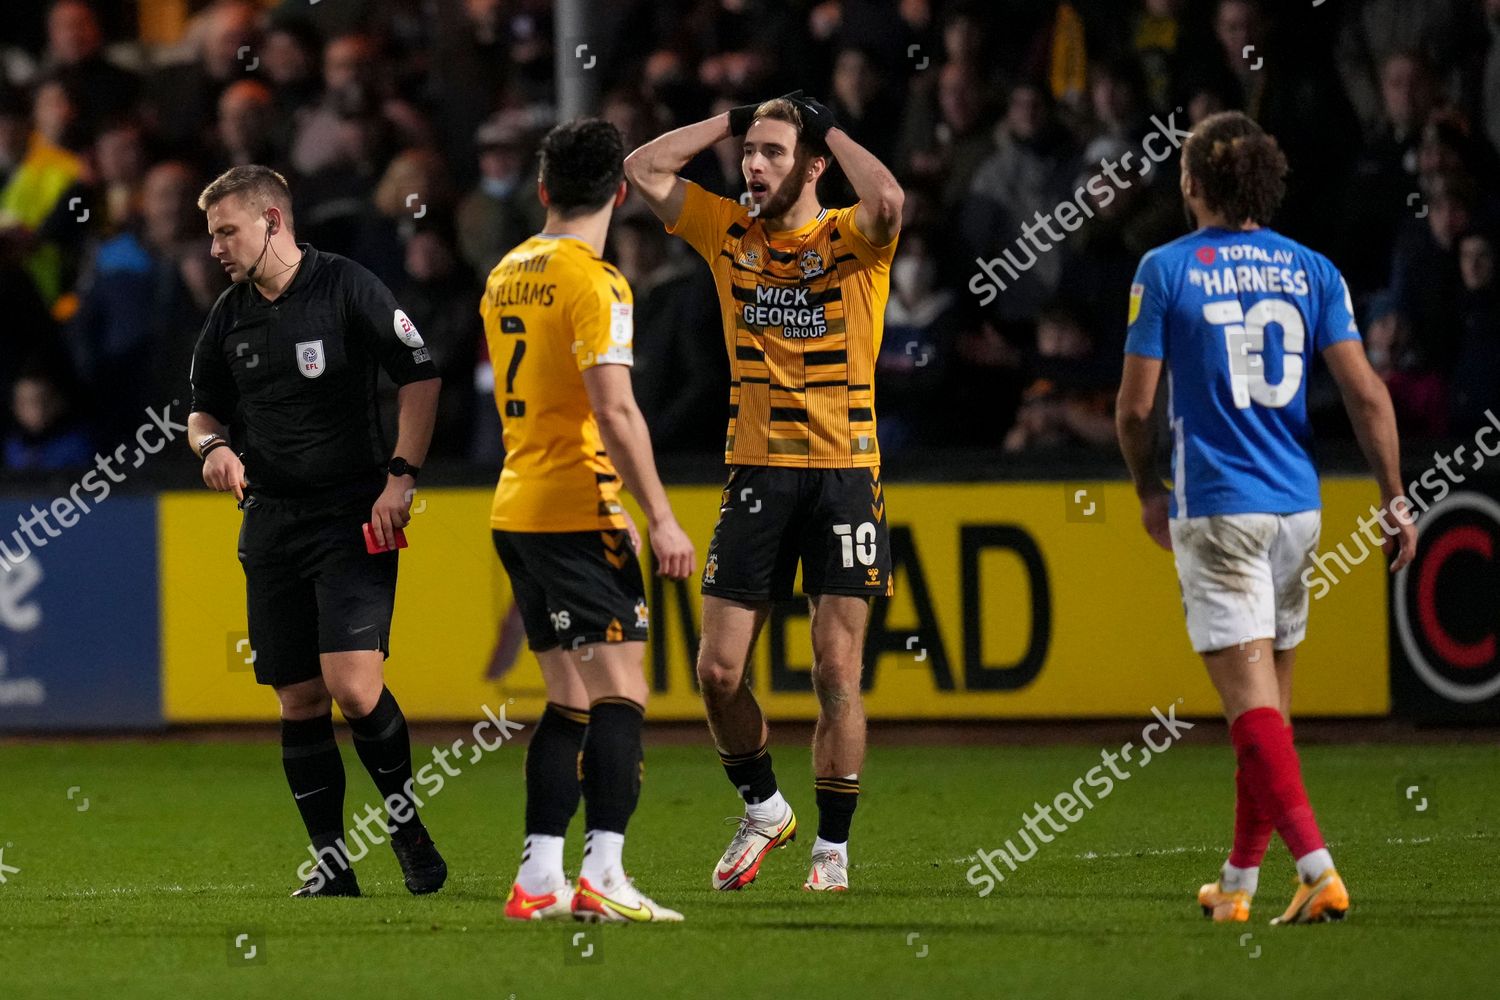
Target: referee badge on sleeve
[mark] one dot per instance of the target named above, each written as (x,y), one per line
(406,331)
(310,358)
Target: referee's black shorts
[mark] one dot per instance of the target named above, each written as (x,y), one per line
(831,521)
(575,587)
(310,585)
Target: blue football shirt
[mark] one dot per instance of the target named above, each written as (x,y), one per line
(1236,318)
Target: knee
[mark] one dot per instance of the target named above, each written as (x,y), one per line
(303,702)
(355,699)
(836,682)
(718,679)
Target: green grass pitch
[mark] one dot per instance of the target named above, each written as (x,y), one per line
(139,884)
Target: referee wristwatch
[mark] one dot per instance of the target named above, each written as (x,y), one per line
(399,466)
(209,442)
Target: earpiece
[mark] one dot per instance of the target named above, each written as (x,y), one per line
(271,226)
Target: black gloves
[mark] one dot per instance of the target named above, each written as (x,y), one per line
(817,118)
(740,118)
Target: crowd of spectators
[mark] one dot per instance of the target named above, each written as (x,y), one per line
(407,129)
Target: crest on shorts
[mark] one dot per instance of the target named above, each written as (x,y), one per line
(642,613)
(811,263)
(310,359)
(711,568)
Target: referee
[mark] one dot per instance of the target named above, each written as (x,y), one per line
(288,357)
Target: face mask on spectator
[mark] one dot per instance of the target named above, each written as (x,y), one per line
(498,187)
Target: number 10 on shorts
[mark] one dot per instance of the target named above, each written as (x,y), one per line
(857,542)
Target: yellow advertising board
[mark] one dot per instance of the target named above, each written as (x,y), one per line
(1013,600)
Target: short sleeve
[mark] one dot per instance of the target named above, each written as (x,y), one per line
(392,336)
(601,313)
(212,383)
(703,220)
(487,308)
(1145,323)
(875,257)
(1335,311)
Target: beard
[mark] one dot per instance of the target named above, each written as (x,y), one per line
(780,201)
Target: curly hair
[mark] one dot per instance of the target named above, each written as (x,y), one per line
(1237,168)
(582,164)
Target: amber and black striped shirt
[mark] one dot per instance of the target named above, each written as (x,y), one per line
(803,314)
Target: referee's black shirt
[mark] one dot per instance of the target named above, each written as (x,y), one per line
(300,374)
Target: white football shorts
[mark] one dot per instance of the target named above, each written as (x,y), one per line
(1241,576)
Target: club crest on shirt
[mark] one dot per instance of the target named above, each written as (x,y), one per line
(310,360)
(811,263)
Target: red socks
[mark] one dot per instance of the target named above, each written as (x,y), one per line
(1270,790)
(1252,827)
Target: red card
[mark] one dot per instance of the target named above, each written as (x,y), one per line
(374,547)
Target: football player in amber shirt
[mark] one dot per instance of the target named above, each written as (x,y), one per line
(802,290)
(558,322)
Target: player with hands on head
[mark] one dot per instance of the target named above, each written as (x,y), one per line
(802,292)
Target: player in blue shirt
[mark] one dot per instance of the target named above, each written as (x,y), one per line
(1236,314)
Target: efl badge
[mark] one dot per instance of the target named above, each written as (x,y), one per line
(811,263)
(406,330)
(750,257)
(310,358)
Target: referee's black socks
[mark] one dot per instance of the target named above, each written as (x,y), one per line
(384,746)
(315,772)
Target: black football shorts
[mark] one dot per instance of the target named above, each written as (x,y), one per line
(310,585)
(831,521)
(575,587)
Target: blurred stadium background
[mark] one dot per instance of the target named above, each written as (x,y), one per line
(1026,590)
(407,128)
